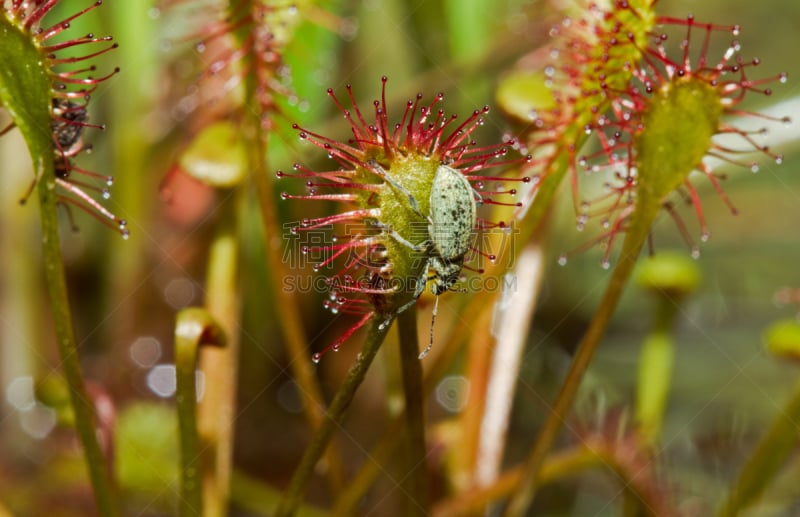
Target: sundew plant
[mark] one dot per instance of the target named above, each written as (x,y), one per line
(399,258)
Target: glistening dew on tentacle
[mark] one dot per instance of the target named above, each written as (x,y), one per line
(667,124)
(71,86)
(413,189)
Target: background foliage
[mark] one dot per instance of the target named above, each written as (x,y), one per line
(126,293)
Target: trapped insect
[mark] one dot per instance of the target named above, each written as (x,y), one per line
(451,219)
(411,206)
(69,120)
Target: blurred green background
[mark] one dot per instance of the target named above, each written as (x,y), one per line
(125,293)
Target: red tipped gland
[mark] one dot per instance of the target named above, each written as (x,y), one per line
(71,87)
(378,248)
(651,115)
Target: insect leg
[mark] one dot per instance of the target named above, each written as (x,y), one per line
(422,281)
(380,171)
(402,240)
(433,319)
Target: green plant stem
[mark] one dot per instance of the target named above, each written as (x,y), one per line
(394,435)
(469,34)
(286,300)
(194,327)
(631,247)
(770,454)
(656,361)
(382,453)
(319,441)
(475,307)
(99,472)
(217,411)
(416,476)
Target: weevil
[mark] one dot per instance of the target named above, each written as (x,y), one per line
(451,219)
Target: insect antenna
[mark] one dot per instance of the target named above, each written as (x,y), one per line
(433,320)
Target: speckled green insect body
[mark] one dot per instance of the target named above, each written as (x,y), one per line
(451,219)
(450,224)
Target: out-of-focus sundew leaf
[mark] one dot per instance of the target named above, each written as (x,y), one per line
(217,156)
(782,339)
(522,93)
(671,274)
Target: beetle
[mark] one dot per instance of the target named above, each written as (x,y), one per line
(451,219)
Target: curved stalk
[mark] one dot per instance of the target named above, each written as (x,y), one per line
(656,362)
(217,411)
(194,327)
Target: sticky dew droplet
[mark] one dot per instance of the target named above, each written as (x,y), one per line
(580,224)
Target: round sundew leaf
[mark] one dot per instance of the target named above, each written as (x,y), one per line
(523,93)
(674,274)
(678,125)
(217,156)
(782,339)
(26,93)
